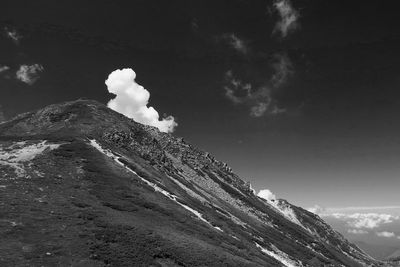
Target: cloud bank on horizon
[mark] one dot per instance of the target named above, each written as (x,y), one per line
(131,100)
(363,220)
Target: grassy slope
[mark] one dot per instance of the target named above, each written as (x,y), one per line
(102,216)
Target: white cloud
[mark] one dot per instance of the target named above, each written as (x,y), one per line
(317,209)
(385,234)
(235,42)
(266,194)
(289,16)
(29,74)
(357,231)
(132,99)
(13,35)
(365,220)
(4,68)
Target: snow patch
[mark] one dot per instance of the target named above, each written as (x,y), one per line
(280,256)
(285,209)
(20,152)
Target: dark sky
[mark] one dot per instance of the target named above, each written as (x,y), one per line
(335,141)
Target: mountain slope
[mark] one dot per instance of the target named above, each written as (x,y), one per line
(81,185)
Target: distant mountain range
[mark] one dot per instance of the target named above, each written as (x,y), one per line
(82,185)
(379,251)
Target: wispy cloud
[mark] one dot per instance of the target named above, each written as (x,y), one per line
(236,90)
(29,74)
(385,234)
(13,35)
(258,99)
(259,109)
(4,68)
(288,17)
(283,68)
(235,42)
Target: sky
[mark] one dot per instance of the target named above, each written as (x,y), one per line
(299,97)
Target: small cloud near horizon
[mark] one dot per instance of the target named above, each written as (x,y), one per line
(266,194)
(283,68)
(385,234)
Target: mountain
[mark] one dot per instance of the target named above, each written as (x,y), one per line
(82,185)
(395,256)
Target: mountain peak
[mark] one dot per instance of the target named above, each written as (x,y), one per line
(79,117)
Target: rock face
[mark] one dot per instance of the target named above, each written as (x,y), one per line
(81,185)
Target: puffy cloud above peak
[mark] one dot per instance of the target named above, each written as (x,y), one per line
(288,17)
(132,99)
(29,74)
(267,195)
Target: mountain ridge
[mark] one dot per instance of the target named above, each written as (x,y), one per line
(135,196)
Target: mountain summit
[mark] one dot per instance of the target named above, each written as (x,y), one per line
(82,185)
